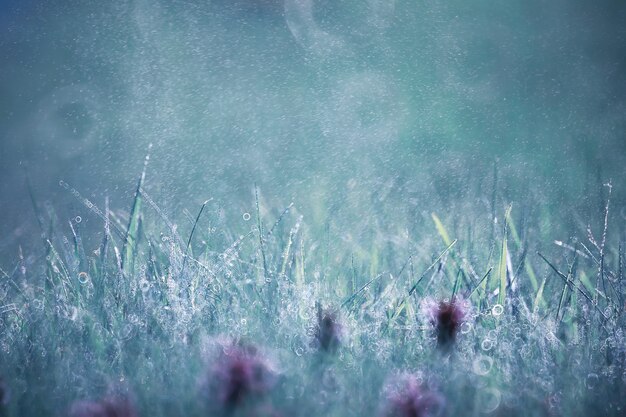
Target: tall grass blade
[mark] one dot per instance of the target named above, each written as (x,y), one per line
(441,229)
(414,287)
(132,230)
(502,268)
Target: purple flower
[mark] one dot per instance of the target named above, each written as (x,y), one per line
(411,399)
(327,331)
(240,375)
(446,317)
(107,407)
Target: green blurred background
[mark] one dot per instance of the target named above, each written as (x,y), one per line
(366,114)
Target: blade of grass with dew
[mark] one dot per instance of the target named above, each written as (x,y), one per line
(503,261)
(456,283)
(300,277)
(104,245)
(432,266)
(132,230)
(286,253)
(572,285)
(539,296)
(441,229)
(260,229)
(193,229)
(478,285)
(564,290)
(360,290)
(280,218)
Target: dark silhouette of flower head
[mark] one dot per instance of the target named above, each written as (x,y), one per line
(446,317)
(240,375)
(327,331)
(411,399)
(107,407)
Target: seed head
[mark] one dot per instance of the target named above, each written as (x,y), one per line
(411,399)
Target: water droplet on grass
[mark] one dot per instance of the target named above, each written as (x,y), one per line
(83,277)
(489,399)
(486,345)
(482,365)
(466,328)
(497,310)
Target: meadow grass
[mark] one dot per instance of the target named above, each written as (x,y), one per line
(150,311)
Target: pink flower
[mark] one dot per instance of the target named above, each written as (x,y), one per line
(411,399)
(446,317)
(240,375)
(327,331)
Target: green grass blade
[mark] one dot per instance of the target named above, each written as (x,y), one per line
(441,229)
(539,295)
(502,263)
(432,266)
(132,230)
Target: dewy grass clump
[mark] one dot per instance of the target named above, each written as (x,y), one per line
(158,309)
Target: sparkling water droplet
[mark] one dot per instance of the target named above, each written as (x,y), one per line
(83,277)
(486,345)
(497,310)
(466,328)
(482,365)
(489,399)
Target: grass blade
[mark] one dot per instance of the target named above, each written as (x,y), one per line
(132,230)
(503,258)
(414,287)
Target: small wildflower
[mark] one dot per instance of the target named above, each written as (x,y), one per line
(411,399)
(240,375)
(107,407)
(447,317)
(327,331)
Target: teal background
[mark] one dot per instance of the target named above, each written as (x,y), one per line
(360,111)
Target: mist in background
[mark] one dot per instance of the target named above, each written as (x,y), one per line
(366,114)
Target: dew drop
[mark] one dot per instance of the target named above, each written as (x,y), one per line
(486,345)
(482,365)
(83,277)
(497,310)
(466,328)
(490,399)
